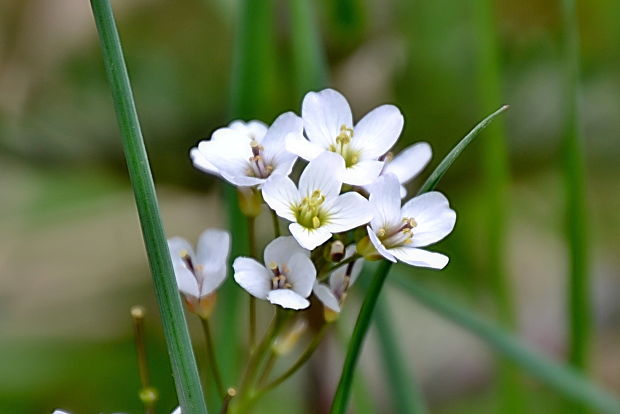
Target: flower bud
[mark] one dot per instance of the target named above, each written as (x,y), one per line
(287,340)
(365,248)
(250,201)
(335,253)
(148,396)
(330,315)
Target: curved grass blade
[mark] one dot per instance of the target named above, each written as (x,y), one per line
(562,378)
(340,401)
(180,350)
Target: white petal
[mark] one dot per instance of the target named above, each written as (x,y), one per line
(274,141)
(282,249)
(385,203)
(348,211)
(363,172)
(283,163)
(212,280)
(280,193)
(186,281)
(252,276)
(237,133)
(213,248)
(62,412)
(252,129)
(409,162)
(324,173)
(337,277)
(326,296)
(304,148)
(287,299)
(378,130)
(309,238)
(379,246)
(177,411)
(420,257)
(301,274)
(434,218)
(200,162)
(323,114)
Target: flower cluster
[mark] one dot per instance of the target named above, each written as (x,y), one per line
(345,206)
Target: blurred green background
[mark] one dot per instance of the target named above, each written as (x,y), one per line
(71,255)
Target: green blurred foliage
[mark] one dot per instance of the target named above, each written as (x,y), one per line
(70,254)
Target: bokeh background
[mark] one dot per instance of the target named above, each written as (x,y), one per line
(71,255)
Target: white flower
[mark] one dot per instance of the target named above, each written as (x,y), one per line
(329,127)
(406,164)
(333,295)
(246,155)
(235,131)
(200,273)
(397,233)
(316,209)
(287,278)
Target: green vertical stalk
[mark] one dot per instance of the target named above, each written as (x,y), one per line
(308,57)
(495,172)
(180,350)
(252,63)
(407,397)
(580,314)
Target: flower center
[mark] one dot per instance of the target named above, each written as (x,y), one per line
(342,145)
(258,167)
(398,236)
(279,280)
(309,212)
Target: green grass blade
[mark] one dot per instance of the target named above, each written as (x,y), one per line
(182,358)
(432,181)
(562,378)
(406,395)
(340,402)
(580,313)
(495,176)
(310,66)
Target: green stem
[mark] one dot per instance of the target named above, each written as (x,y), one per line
(325,273)
(562,378)
(184,368)
(341,398)
(212,360)
(276,223)
(407,396)
(252,299)
(303,358)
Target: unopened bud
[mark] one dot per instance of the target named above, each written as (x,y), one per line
(330,315)
(366,249)
(137,312)
(287,340)
(250,201)
(336,251)
(148,396)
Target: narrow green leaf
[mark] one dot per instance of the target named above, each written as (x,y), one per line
(180,350)
(310,66)
(340,402)
(432,181)
(495,177)
(562,378)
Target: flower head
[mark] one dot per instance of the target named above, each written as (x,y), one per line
(200,273)
(406,165)
(332,295)
(286,279)
(247,155)
(316,208)
(328,123)
(398,233)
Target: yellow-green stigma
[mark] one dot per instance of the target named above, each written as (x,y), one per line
(342,146)
(309,213)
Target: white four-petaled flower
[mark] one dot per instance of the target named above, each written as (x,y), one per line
(316,208)
(200,273)
(247,155)
(398,233)
(332,295)
(328,124)
(286,279)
